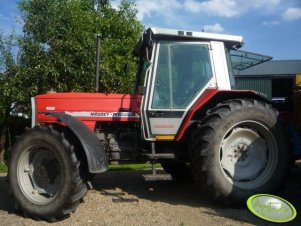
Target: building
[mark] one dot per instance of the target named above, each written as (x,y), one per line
(275,79)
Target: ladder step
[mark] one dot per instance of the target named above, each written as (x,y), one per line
(162,156)
(157,177)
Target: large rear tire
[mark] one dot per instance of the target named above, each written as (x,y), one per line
(44,174)
(240,149)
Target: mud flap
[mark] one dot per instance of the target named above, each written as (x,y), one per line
(95,153)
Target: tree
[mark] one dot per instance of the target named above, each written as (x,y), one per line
(57,50)
(58,47)
(10,90)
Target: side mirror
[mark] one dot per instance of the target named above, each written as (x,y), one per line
(147,38)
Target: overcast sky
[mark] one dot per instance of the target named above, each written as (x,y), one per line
(271,27)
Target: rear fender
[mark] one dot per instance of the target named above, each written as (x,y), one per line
(96,156)
(209,100)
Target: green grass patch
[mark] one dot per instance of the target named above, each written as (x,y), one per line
(3,168)
(133,166)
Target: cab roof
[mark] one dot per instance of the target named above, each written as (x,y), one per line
(231,40)
(156,33)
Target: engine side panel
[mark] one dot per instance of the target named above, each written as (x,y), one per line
(89,107)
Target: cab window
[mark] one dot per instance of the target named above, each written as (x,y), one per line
(183,70)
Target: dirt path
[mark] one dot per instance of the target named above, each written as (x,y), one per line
(124,198)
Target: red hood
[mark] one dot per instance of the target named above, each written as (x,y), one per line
(90,106)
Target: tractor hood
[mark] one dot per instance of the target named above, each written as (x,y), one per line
(90,107)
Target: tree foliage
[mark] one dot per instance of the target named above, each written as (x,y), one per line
(59,44)
(9,85)
(9,74)
(57,50)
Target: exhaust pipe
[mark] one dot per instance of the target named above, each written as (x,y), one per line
(97,63)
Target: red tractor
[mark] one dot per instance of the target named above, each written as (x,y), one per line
(184,114)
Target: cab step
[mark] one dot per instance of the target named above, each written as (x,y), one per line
(157,177)
(162,156)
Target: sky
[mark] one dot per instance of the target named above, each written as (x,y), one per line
(269,27)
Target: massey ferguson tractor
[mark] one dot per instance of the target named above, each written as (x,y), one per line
(185,114)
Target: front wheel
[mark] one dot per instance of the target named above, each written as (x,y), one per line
(44,174)
(240,149)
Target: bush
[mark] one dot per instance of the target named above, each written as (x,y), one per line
(17,126)
(3,168)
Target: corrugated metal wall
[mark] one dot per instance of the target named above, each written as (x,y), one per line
(262,85)
(297,106)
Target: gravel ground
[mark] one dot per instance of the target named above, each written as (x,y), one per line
(124,198)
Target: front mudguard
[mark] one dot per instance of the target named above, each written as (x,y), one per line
(94,150)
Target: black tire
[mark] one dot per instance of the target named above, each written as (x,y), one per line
(239,149)
(179,171)
(44,174)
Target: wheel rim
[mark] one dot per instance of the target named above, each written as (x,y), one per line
(39,174)
(248,154)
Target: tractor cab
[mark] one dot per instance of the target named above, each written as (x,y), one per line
(176,68)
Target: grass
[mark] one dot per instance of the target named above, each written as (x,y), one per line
(3,168)
(132,166)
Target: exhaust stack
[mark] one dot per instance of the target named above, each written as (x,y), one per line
(97,63)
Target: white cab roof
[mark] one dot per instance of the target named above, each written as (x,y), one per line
(230,39)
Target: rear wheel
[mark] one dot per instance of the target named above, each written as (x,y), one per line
(44,174)
(240,149)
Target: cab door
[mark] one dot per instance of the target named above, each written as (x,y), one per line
(179,74)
